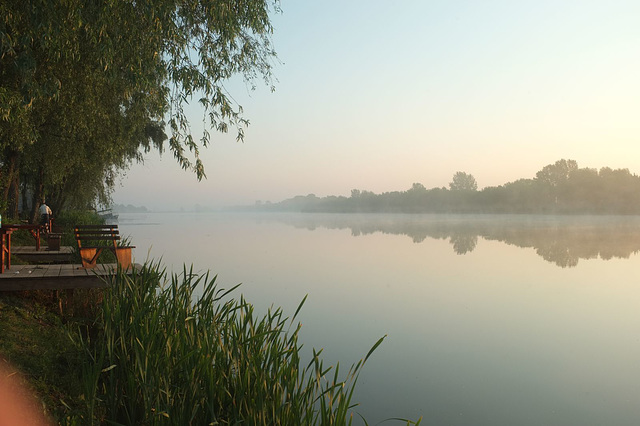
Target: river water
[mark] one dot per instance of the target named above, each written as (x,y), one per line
(490,320)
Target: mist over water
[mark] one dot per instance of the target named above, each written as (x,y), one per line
(491,320)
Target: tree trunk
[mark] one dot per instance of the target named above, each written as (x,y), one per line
(9,172)
(14,197)
(56,198)
(25,200)
(38,194)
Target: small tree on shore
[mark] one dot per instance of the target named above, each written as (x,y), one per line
(463,182)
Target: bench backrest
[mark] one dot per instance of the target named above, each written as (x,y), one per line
(96,227)
(88,234)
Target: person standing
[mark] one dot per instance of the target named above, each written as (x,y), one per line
(45,215)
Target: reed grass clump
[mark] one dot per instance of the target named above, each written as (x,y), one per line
(181,351)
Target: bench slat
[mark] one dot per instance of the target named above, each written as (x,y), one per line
(95,234)
(107,247)
(98,240)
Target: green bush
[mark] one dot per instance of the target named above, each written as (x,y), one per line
(68,219)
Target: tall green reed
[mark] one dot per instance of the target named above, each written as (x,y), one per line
(181,351)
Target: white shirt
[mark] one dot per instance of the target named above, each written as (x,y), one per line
(44,209)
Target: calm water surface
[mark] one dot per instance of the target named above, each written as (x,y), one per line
(491,320)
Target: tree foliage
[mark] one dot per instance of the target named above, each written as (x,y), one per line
(558,173)
(463,182)
(86,87)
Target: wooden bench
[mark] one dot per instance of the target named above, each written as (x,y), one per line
(93,239)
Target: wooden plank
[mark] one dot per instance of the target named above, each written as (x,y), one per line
(30,254)
(18,277)
(53,271)
(36,271)
(32,249)
(79,271)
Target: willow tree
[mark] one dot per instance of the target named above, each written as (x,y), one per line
(86,86)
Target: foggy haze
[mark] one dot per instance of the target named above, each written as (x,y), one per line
(378,95)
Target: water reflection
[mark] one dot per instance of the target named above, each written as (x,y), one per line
(562,240)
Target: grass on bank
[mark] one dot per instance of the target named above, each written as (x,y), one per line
(178,350)
(34,339)
(34,336)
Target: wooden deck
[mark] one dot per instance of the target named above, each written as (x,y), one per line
(56,277)
(44,255)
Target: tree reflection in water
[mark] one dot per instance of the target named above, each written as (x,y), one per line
(562,240)
(464,243)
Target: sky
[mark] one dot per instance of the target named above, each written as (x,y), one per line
(377,95)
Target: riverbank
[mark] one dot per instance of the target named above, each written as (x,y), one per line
(35,343)
(151,349)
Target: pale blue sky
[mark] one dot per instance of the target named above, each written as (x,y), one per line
(378,95)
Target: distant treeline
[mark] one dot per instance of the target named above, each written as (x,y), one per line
(558,188)
(129,208)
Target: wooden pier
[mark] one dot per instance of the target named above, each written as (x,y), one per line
(44,255)
(56,276)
